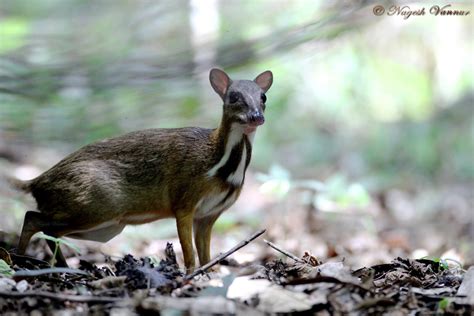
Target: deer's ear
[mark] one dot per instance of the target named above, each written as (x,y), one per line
(264,80)
(220,81)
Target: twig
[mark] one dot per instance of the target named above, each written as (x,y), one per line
(224,255)
(286,253)
(33,273)
(325,279)
(64,297)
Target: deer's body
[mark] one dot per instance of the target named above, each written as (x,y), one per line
(126,175)
(192,174)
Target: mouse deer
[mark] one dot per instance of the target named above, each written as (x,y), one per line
(192,174)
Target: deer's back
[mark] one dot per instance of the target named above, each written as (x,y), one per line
(134,171)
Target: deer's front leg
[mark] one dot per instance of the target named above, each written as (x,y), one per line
(202,237)
(184,222)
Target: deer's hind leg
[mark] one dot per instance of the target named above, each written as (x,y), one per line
(35,222)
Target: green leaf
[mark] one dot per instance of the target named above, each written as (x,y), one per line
(5,269)
(47,237)
(443,264)
(60,241)
(443,304)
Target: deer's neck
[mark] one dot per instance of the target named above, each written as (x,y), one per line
(236,149)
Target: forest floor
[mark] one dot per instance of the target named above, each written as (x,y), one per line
(407,251)
(131,286)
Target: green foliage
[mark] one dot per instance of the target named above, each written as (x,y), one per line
(189,107)
(224,223)
(444,262)
(5,269)
(276,183)
(335,191)
(345,98)
(13,32)
(443,304)
(58,242)
(344,194)
(397,90)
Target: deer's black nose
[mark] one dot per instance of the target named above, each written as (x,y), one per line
(257,118)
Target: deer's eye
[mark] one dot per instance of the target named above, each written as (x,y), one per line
(264,98)
(233,97)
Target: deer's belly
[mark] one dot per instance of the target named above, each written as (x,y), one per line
(216,202)
(134,218)
(103,232)
(109,229)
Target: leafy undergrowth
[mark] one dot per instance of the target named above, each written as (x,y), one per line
(140,286)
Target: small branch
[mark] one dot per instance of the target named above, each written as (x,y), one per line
(63,297)
(286,253)
(224,255)
(325,279)
(33,273)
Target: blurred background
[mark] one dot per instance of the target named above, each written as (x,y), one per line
(367,149)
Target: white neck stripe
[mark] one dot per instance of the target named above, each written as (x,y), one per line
(237,176)
(235,136)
